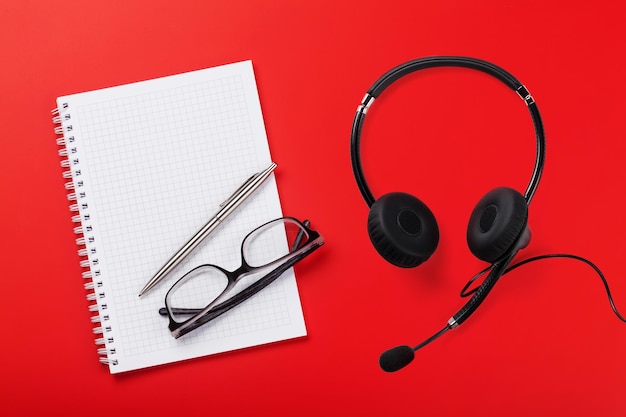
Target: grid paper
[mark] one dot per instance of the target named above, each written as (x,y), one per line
(156,158)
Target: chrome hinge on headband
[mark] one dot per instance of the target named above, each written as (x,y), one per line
(525,95)
(365,103)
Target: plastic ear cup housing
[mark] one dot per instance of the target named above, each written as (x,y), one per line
(402,229)
(496,224)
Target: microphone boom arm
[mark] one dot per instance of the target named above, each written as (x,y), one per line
(499,267)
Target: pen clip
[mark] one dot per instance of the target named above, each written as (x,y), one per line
(246,182)
(238,190)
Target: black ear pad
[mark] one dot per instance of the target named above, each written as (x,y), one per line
(402,229)
(496,224)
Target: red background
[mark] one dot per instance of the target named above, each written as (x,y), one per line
(544,343)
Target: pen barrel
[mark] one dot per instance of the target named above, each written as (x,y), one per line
(186,249)
(226,208)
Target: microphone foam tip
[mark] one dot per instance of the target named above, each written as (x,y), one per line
(396,358)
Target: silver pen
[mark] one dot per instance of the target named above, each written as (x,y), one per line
(226,208)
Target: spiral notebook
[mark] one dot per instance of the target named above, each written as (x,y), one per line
(146,165)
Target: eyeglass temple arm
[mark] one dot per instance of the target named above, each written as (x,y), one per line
(248,292)
(252,289)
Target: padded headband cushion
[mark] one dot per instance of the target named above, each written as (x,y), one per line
(496,223)
(402,229)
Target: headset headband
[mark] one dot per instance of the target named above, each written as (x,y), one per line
(445,61)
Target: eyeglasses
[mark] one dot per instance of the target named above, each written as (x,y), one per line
(208,291)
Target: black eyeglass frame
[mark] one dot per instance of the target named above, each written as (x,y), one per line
(202,316)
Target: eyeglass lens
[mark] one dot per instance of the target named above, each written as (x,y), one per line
(259,248)
(204,285)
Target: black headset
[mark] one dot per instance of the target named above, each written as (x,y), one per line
(403,230)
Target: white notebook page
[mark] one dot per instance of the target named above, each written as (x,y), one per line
(155,159)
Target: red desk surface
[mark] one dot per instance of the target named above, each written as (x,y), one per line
(544,343)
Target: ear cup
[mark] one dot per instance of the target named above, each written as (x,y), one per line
(402,229)
(496,223)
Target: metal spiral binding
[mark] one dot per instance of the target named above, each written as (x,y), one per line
(85,240)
